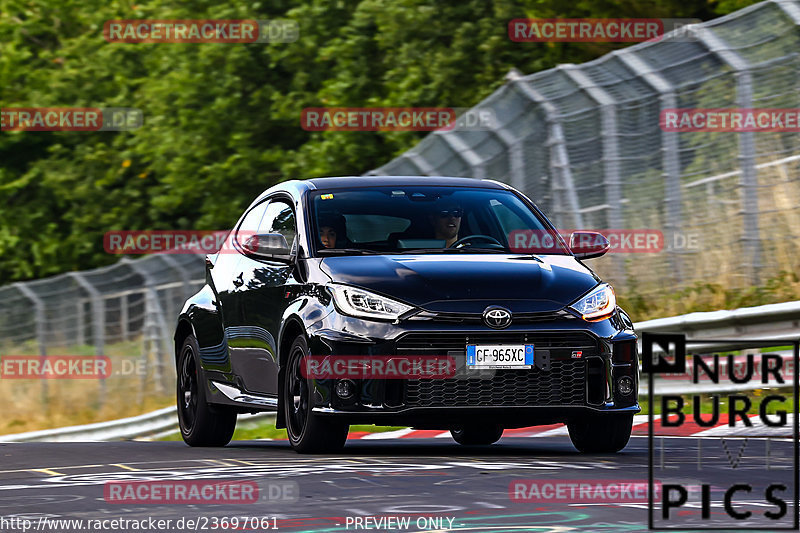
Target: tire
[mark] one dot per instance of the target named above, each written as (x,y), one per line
(477,434)
(600,434)
(201,424)
(308,432)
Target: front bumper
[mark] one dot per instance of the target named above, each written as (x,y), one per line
(585,361)
(446,417)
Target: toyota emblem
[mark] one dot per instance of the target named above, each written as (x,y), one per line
(497,317)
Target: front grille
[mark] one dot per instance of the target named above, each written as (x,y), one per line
(440,343)
(477,318)
(564,384)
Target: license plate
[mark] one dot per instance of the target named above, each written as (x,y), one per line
(499,356)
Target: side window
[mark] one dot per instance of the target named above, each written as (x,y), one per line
(279,218)
(251,223)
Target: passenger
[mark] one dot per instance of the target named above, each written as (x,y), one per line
(332,228)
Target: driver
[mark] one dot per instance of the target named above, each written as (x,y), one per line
(446,223)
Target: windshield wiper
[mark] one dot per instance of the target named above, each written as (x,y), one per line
(529,256)
(346,251)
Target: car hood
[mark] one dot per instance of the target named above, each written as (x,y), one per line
(468,283)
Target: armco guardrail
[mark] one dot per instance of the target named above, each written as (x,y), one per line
(735,327)
(160,421)
(774,321)
(679,384)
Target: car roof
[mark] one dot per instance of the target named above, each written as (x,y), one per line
(376,181)
(298,188)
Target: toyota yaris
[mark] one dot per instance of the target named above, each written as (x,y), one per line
(431,302)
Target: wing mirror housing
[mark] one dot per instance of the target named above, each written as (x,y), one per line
(588,244)
(270,246)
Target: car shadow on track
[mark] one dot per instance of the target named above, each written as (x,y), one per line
(514,447)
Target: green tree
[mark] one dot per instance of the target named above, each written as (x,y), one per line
(222,122)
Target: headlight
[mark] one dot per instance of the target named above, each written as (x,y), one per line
(598,304)
(361,303)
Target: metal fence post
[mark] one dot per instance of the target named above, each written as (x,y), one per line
(124,318)
(186,291)
(154,322)
(561,181)
(80,334)
(426,169)
(98,324)
(516,158)
(472,159)
(41,333)
(610,135)
(748,179)
(792,9)
(516,155)
(673,198)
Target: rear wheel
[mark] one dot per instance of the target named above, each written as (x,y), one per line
(308,432)
(477,434)
(600,434)
(201,424)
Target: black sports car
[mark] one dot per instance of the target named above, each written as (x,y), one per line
(404,271)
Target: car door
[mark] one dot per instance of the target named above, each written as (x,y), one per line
(241,346)
(264,294)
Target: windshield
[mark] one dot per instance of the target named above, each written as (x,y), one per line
(427,220)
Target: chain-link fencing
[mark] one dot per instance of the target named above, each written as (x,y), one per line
(124,313)
(584,142)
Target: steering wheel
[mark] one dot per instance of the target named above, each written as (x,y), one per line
(464,240)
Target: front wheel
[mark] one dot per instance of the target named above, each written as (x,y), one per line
(477,434)
(600,434)
(201,424)
(308,432)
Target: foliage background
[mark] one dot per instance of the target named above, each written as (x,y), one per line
(221,120)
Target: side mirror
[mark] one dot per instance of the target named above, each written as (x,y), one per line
(271,246)
(588,244)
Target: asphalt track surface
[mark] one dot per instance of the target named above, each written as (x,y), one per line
(410,478)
